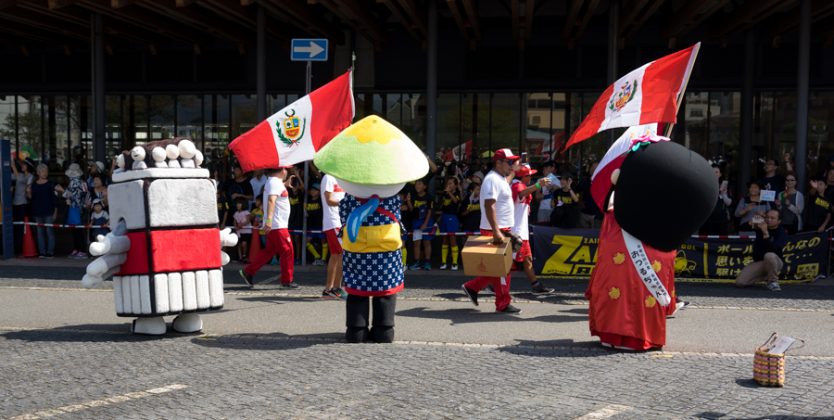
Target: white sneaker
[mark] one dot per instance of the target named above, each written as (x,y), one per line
(444,266)
(774,287)
(455,267)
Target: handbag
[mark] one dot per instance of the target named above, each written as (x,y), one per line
(769,360)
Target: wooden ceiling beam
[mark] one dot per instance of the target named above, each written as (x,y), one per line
(514,13)
(529,12)
(409,27)
(691,15)
(358,17)
(820,9)
(48,24)
(456,15)
(641,18)
(584,19)
(472,15)
(245,16)
(302,17)
(411,8)
(196,18)
(574,6)
(749,14)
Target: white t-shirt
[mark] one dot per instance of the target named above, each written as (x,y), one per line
(330,215)
(522,210)
(495,187)
(282,206)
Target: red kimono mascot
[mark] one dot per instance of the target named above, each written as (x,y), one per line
(655,194)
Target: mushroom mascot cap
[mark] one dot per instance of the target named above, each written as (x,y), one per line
(372,160)
(661,193)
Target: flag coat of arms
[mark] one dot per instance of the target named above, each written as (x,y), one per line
(648,94)
(297,131)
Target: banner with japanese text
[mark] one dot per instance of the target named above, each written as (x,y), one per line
(573,253)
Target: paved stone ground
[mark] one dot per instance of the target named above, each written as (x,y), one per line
(97,370)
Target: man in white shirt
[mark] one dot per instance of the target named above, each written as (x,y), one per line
(497,218)
(258,181)
(330,225)
(276,205)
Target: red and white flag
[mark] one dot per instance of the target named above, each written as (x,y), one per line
(649,94)
(295,133)
(461,152)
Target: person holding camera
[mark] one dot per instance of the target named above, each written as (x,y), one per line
(767,252)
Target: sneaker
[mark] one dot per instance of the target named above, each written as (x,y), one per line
(291,285)
(454,267)
(81,255)
(443,267)
(774,287)
(339,293)
(73,253)
(510,309)
(249,280)
(681,304)
(426,266)
(541,290)
(471,294)
(327,293)
(415,266)
(319,263)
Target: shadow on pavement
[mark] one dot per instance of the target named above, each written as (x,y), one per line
(96,333)
(472,315)
(272,341)
(558,348)
(287,299)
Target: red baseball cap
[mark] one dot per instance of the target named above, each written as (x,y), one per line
(525,170)
(504,154)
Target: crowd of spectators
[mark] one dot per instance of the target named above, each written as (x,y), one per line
(444,201)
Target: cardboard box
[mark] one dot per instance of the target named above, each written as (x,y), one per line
(482,258)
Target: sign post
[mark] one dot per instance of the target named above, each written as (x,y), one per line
(6,199)
(309,50)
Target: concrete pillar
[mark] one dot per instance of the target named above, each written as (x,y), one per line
(431,81)
(802,95)
(97,57)
(260,72)
(746,147)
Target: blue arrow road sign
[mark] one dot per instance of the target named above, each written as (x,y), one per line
(306,49)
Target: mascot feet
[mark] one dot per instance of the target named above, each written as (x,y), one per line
(188,323)
(356,335)
(149,326)
(382,334)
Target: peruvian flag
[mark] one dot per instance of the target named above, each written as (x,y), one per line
(459,153)
(650,94)
(613,159)
(295,133)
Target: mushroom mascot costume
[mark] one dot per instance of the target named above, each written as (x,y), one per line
(655,194)
(372,161)
(164,251)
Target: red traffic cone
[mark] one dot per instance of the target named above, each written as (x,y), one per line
(29,248)
(255,246)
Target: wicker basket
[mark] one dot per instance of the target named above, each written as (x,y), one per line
(768,369)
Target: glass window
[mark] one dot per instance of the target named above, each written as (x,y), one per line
(29,124)
(448,124)
(696,117)
(393,110)
(724,129)
(589,150)
(506,124)
(216,111)
(161,113)
(113,130)
(8,120)
(546,114)
(141,130)
(244,114)
(467,127)
(820,123)
(276,103)
(190,117)
(414,118)
(481,134)
(62,129)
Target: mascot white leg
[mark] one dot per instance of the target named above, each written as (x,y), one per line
(149,326)
(188,322)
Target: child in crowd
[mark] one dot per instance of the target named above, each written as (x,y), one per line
(471,213)
(256,216)
(99,217)
(449,201)
(295,189)
(422,206)
(314,218)
(565,213)
(243,228)
(405,220)
(223,207)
